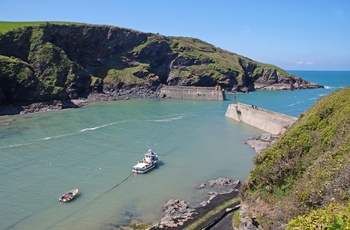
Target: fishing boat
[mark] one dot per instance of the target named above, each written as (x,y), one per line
(149,162)
(68,195)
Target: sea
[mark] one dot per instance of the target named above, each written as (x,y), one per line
(93,148)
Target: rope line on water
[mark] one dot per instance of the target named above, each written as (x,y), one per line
(119,183)
(84,206)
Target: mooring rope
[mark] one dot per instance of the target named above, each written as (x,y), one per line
(87,204)
(119,183)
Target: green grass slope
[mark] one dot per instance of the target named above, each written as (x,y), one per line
(8,26)
(307,169)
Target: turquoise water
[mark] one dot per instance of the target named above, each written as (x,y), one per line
(93,148)
(295,102)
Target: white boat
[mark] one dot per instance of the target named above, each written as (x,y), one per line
(68,195)
(148,162)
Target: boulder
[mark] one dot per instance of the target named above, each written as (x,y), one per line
(176,212)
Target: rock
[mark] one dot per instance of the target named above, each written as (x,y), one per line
(218,182)
(217,187)
(203,185)
(176,212)
(259,143)
(249,223)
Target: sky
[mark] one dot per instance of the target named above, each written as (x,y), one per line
(293,34)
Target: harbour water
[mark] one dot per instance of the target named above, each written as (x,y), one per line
(93,148)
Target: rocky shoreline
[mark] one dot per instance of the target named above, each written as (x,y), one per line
(55,105)
(179,213)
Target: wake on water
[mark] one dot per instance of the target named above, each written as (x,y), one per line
(166,119)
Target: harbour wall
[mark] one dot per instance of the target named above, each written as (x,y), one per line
(269,121)
(193,92)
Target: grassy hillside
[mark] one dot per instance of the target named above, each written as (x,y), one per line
(72,60)
(307,169)
(8,26)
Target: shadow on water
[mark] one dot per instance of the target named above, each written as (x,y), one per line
(159,164)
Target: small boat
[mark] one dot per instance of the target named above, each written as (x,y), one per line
(148,162)
(68,195)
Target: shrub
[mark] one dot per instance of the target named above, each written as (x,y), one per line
(333,216)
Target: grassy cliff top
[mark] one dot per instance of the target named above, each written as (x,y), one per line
(8,26)
(308,167)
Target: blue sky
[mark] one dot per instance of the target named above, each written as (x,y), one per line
(294,34)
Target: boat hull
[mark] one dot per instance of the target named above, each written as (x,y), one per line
(144,169)
(149,162)
(68,196)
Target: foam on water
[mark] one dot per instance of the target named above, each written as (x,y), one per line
(170,119)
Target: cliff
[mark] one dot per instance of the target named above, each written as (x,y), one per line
(63,62)
(307,169)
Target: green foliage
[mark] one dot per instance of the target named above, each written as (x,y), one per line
(17,70)
(227,68)
(151,39)
(127,75)
(308,166)
(8,26)
(333,216)
(36,38)
(262,68)
(53,61)
(236,222)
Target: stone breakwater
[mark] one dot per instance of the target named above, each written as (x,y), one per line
(269,121)
(192,92)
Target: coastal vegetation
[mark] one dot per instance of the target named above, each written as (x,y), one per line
(65,61)
(336,215)
(8,26)
(302,179)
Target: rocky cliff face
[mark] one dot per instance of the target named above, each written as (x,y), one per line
(64,62)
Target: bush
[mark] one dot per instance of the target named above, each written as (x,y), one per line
(334,216)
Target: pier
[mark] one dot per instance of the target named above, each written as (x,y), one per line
(269,121)
(193,92)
